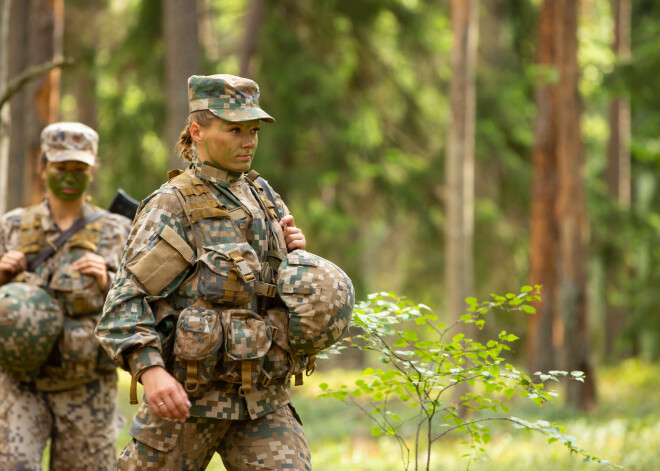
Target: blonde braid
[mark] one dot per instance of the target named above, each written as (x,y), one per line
(185,146)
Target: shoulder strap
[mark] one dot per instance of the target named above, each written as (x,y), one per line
(253,176)
(53,246)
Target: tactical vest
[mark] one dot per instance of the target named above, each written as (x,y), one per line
(248,324)
(247,343)
(78,295)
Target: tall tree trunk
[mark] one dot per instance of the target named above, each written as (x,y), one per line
(572,213)
(460,157)
(560,235)
(182,60)
(544,328)
(618,168)
(5,9)
(254,21)
(46,30)
(18,61)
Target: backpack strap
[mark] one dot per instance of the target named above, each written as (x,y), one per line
(59,241)
(266,190)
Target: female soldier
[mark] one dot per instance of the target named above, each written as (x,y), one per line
(71,398)
(196,277)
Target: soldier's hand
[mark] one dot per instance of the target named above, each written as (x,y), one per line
(11,263)
(94,265)
(165,394)
(293,236)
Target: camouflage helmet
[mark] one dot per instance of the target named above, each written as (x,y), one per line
(319,297)
(30,322)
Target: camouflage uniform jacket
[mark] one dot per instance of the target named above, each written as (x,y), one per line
(76,358)
(160,306)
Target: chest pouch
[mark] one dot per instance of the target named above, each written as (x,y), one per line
(78,293)
(248,337)
(227,274)
(79,348)
(197,344)
(280,363)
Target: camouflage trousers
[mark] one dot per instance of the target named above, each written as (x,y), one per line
(80,422)
(273,442)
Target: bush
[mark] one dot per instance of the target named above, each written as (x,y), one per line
(435,380)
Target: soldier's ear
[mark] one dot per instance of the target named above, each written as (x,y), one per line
(195,132)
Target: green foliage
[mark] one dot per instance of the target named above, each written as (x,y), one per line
(433,379)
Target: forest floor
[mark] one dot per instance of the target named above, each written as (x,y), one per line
(624,429)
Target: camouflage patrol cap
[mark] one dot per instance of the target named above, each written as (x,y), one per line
(61,142)
(319,297)
(226,96)
(30,323)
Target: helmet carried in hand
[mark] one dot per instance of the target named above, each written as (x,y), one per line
(30,323)
(319,297)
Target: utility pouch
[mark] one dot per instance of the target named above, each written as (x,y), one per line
(79,294)
(196,346)
(227,274)
(248,338)
(79,348)
(280,363)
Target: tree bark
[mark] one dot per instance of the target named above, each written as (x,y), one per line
(544,328)
(43,94)
(559,335)
(618,170)
(5,9)
(572,212)
(18,62)
(253,23)
(182,54)
(460,157)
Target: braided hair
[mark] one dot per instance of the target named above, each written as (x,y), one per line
(185,145)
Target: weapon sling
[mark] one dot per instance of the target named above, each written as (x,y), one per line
(59,241)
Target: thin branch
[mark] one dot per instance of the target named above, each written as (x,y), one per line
(18,82)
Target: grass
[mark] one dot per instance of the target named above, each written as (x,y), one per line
(624,429)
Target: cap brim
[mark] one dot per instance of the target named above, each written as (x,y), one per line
(71,155)
(242,114)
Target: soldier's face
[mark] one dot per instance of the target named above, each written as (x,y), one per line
(230,145)
(67,180)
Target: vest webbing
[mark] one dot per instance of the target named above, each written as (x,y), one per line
(32,237)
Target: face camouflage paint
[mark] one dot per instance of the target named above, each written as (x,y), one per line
(68,185)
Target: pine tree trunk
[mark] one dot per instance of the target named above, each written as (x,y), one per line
(43,94)
(572,212)
(182,59)
(18,61)
(253,23)
(5,9)
(544,328)
(618,171)
(460,158)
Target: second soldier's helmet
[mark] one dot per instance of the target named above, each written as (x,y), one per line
(30,323)
(319,297)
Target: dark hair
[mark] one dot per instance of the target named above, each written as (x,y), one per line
(185,145)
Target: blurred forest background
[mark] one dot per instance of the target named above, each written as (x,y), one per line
(435,149)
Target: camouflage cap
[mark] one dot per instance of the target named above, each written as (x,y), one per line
(30,323)
(226,96)
(61,142)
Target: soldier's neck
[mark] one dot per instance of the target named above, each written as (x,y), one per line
(64,213)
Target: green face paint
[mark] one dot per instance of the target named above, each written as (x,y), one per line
(67,186)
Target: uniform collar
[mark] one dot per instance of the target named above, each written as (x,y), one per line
(216,174)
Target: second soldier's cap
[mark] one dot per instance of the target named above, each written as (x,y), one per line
(64,141)
(228,97)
